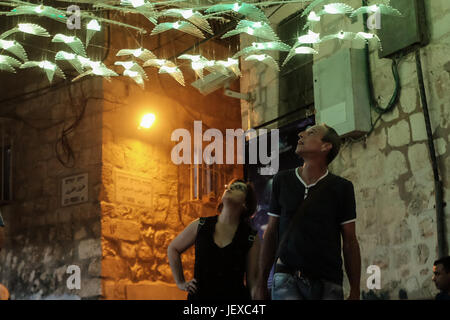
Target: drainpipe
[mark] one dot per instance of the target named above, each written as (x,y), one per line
(439,192)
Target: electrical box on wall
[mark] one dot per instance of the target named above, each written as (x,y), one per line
(341,94)
(403,34)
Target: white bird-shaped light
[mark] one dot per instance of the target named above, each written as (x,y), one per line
(257,47)
(140,53)
(298,49)
(92,28)
(225,66)
(144,7)
(50,68)
(15,48)
(70,58)
(166,66)
(134,71)
(264,58)
(382,8)
(29,28)
(73,42)
(96,68)
(248,10)
(311,20)
(39,10)
(358,36)
(183,26)
(310,38)
(336,8)
(190,15)
(8,63)
(257,29)
(198,63)
(311,6)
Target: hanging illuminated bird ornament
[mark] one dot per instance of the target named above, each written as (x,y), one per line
(50,68)
(264,58)
(91,29)
(257,47)
(361,37)
(144,7)
(381,8)
(182,26)
(73,42)
(15,48)
(166,66)
(198,63)
(258,29)
(298,49)
(134,71)
(194,17)
(8,63)
(310,38)
(311,6)
(225,66)
(39,10)
(140,53)
(248,10)
(311,21)
(29,28)
(97,68)
(71,58)
(336,8)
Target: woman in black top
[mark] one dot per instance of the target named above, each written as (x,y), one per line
(226,249)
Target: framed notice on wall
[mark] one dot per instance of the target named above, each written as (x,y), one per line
(74,190)
(133,189)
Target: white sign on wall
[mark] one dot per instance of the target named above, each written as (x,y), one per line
(74,190)
(133,189)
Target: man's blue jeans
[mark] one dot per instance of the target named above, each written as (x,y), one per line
(289,287)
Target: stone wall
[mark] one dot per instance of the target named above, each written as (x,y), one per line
(135,236)
(43,237)
(391,170)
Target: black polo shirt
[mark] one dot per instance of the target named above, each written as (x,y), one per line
(314,246)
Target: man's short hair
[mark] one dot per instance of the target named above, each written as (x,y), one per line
(445,261)
(332,137)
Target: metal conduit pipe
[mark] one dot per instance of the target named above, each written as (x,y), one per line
(439,191)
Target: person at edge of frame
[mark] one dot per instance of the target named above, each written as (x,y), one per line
(308,263)
(441,277)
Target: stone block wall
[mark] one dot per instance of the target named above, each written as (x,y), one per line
(135,236)
(44,238)
(391,170)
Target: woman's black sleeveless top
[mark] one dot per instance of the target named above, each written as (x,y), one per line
(220,271)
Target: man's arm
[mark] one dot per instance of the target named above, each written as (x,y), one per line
(267,257)
(352,259)
(252,266)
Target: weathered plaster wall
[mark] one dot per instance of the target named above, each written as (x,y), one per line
(391,170)
(44,238)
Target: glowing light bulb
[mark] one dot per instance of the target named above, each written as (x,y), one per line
(341,35)
(25,28)
(5,44)
(373,8)
(94,25)
(47,65)
(137,3)
(147,120)
(236,7)
(197,65)
(187,14)
(39,9)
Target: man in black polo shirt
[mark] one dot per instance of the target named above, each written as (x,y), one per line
(441,277)
(309,264)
